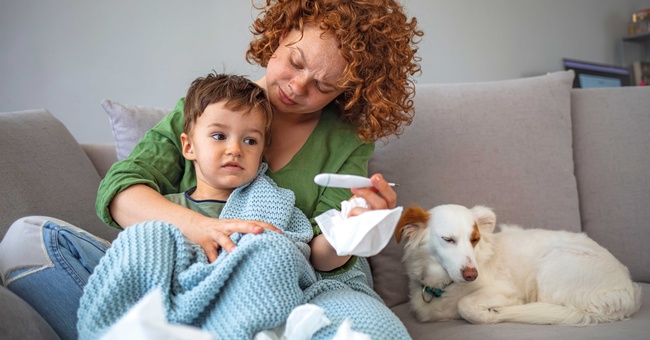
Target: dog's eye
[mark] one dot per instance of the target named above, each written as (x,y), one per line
(449,240)
(475,240)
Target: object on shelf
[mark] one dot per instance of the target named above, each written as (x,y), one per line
(640,22)
(590,75)
(641,73)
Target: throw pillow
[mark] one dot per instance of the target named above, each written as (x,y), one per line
(130,122)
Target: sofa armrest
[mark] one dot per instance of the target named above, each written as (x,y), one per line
(101,155)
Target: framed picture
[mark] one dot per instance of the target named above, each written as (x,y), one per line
(593,75)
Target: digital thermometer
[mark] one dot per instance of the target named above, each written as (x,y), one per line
(344,181)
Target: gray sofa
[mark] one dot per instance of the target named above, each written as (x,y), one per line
(538,152)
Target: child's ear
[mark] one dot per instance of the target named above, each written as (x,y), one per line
(188,150)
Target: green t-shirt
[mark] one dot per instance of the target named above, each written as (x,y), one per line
(157,161)
(210,208)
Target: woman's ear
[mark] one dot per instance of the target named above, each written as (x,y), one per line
(188,150)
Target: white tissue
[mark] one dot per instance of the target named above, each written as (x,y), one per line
(146,320)
(303,322)
(345,332)
(362,235)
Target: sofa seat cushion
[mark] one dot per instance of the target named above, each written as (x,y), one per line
(44,171)
(635,328)
(504,144)
(18,320)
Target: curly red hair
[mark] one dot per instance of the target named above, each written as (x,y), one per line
(377,41)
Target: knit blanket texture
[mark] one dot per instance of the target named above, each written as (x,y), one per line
(249,290)
(242,293)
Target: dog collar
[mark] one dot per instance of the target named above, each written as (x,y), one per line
(428,293)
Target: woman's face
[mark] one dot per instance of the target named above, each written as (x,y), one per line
(302,75)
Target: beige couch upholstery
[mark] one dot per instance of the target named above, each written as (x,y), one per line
(541,155)
(538,152)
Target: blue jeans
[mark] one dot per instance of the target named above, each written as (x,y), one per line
(47,263)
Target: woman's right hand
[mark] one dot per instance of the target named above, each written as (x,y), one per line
(213,233)
(380,196)
(139,203)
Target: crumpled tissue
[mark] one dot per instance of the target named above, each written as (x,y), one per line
(345,332)
(146,320)
(362,235)
(304,321)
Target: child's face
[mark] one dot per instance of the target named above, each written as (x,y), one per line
(226,148)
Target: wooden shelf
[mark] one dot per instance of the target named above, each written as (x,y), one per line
(641,37)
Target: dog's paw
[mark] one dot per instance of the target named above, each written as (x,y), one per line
(478,312)
(493,309)
(484,316)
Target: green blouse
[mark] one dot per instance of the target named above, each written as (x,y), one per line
(157,161)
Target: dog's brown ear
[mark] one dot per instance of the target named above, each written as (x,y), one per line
(412,218)
(485,218)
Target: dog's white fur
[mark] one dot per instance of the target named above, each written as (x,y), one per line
(516,275)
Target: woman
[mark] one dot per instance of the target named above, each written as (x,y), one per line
(338,75)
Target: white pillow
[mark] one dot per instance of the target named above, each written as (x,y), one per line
(130,123)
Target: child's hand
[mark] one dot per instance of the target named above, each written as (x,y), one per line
(213,233)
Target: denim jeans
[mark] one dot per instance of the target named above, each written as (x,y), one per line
(47,263)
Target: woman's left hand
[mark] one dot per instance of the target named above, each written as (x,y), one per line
(379,196)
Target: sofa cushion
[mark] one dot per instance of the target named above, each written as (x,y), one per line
(102,155)
(44,171)
(504,144)
(130,123)
(18,320)
(611,139)
(637,327)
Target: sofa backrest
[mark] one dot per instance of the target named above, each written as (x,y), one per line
(44,171)
(505,144)
(611,130)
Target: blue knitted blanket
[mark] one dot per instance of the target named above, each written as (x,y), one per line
(254,288)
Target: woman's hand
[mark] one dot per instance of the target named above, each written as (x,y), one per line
(212,233)
(380,196)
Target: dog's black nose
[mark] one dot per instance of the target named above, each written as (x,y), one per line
(470,274)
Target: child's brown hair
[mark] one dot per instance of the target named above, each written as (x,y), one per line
(238,93)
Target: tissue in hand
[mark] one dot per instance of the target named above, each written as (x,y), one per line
(362,235)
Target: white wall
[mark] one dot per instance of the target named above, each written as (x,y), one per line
(68,55)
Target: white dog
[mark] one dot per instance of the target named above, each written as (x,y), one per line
(458,267)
